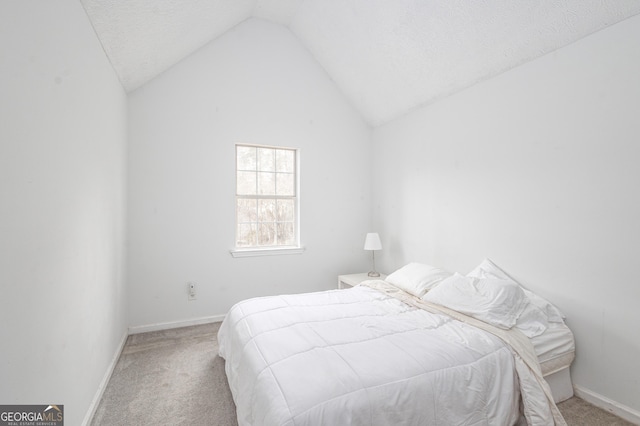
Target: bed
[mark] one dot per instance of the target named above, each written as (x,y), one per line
(395,352)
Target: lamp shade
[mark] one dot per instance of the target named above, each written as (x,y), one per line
(372,242)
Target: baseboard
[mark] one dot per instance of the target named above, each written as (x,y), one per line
(174,324)
(135,330)
(103,384)
(627,413)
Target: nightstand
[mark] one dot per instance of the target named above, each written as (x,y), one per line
(350,280)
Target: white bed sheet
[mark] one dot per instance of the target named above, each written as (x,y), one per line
(360,357)
(555,348)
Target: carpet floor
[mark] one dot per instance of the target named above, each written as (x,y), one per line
(175,377)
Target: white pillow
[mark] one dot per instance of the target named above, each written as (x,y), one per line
(488,269)
(495,301)
(532,321)
(552,313)
(417,278)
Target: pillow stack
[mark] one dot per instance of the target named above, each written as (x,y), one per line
(486,293)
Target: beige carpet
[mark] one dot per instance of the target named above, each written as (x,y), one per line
(175,377)
(169,377)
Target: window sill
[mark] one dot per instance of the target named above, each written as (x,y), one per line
(271,251)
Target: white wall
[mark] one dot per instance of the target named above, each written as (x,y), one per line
(537,169)
(255,84)
(62,171)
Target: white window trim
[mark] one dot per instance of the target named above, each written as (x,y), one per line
(267,251)
(239,252)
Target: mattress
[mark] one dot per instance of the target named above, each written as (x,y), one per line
(358,356)
(555,348)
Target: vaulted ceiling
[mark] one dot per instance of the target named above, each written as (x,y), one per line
(387,56)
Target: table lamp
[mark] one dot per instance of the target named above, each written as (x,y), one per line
(372,242)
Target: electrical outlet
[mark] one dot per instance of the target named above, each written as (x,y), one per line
(191,290)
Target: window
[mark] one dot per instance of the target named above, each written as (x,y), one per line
(266,197)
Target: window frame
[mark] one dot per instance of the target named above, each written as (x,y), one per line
(268,250)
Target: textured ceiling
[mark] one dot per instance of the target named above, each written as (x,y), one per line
(388,57)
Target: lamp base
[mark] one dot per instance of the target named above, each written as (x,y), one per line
(374,274)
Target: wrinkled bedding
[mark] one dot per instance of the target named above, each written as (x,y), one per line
(363,357)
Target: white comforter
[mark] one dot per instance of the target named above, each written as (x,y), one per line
(362,357)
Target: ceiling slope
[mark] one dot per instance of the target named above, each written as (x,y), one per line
(142,38)
(388,57)
(392,56)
